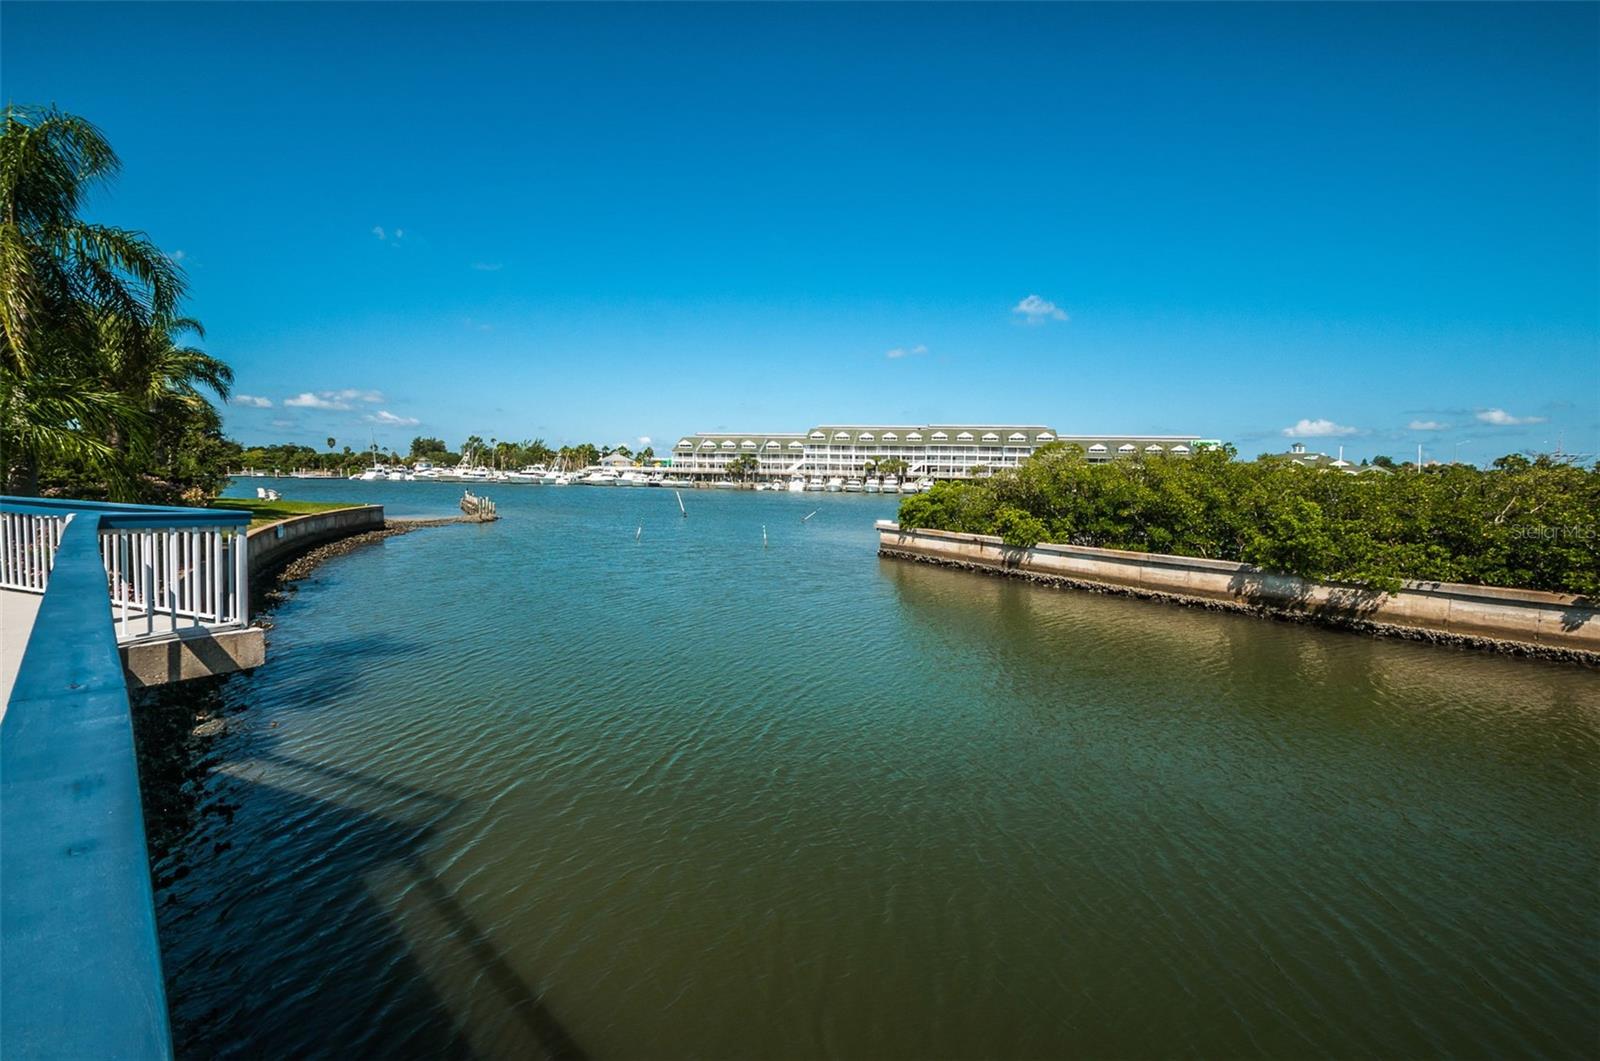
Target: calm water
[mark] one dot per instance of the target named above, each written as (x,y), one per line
(539,788)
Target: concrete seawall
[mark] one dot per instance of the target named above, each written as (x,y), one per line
(1530,622)
(278,543)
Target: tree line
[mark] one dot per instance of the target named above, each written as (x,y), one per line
(493,453)
(1524,522)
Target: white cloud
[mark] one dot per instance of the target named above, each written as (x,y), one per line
(399,233)
(1426,425)
(307,400)
(901,351)
(339,399)
(384,416)
(1501,418)
(252,401)
(1036,310)
(176,256)
(377,230)
(283,422)
(1319,429)
(486,267)
(644,440)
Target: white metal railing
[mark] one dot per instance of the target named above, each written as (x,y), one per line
(164,580)
(167,570)
(28,544)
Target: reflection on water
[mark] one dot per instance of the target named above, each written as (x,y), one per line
(543,789)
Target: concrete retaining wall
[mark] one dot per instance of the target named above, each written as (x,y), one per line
(1546,624)
(277,543)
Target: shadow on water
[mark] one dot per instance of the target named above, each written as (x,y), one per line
(260,874)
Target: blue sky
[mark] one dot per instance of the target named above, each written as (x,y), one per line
(606,223)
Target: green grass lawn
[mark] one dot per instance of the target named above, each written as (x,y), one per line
(272,511)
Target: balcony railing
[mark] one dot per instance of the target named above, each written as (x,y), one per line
(168,570)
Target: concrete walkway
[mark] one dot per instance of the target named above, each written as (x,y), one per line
(17,610)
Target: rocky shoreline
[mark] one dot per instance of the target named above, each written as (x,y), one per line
(275,583)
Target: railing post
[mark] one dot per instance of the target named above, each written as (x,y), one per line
(169,579)
(148,555)
(241,576)
(215,575)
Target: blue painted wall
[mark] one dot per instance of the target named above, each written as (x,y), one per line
(80,966)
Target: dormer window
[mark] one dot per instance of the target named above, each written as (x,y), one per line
(818,435)
(866,436)
(940,436)
(965,436)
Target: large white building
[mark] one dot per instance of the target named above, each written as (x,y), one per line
(938,451)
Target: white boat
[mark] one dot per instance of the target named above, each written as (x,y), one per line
(726,484)
(835,484)
(872,485)
(891,484)
(561,479)
(602,477)
(852,485)
(797,484)
(632,479)
(424,469)
(531,473)
(675,484)
(814,484)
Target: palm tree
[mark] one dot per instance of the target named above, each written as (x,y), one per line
(67,288)
(332,442)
